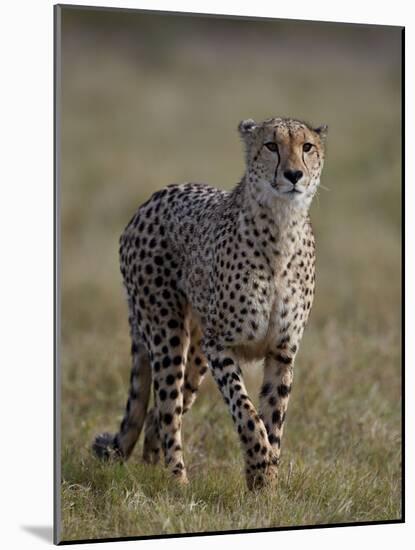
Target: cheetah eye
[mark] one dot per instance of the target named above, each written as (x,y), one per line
(272,146)
(307,147)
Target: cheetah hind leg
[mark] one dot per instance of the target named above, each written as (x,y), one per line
(196,368)
(121,444)
(152,446)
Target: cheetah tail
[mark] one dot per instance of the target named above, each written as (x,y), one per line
(121,444)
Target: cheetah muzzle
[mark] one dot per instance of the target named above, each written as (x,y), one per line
(214,278)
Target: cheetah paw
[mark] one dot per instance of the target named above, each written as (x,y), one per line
(265,478)
(105,447)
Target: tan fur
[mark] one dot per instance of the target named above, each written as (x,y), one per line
(217,278)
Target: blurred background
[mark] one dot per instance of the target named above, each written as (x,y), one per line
(151,99)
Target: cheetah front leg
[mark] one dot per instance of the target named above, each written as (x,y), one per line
(275,393)
(260,460)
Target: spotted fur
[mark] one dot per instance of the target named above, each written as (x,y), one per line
(214,278)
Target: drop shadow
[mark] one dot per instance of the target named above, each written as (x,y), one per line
(44,532)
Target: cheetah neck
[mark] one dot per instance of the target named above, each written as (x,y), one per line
(278,225)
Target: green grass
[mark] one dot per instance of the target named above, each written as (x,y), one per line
(131,126)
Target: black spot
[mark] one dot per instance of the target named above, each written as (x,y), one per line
(274,440)
(162,394)
(170,379)
(251,425)
(167,418)
(283,359)
(166,362)
(266,388)
(276,417)
(158,260)
(175,341)
(284,390)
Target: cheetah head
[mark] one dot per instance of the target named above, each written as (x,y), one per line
(284,159)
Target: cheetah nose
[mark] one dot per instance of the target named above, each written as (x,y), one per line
(293,175)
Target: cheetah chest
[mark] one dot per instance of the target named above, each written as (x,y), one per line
(276,309)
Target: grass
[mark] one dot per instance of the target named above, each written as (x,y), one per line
(135,118)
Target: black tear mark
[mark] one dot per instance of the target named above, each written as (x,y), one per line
(279,158)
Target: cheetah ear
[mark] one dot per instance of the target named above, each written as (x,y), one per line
(247,127)
(322,131)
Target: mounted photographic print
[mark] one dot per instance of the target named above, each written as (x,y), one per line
(228,206)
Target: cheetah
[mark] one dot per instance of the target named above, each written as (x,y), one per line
(215,279)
